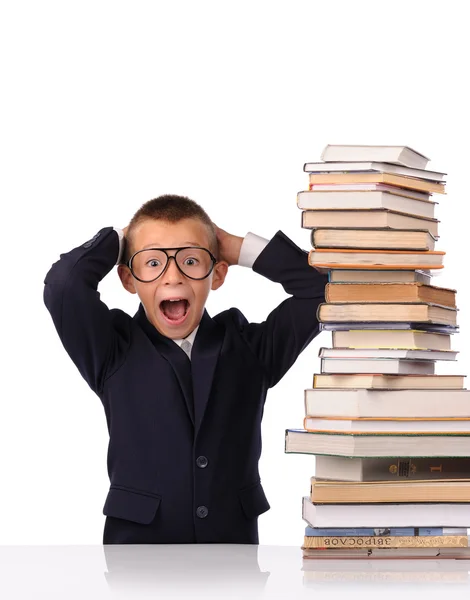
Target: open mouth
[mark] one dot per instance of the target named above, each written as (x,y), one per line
(174,310)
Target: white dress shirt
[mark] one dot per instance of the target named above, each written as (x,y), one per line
(251,248)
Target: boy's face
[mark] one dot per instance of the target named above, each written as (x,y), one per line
(181,318)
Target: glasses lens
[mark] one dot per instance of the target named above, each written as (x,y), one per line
(147,265)
(194,262)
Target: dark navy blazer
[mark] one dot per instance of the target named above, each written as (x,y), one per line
(193,474)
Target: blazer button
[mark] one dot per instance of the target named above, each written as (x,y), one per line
(202,462)
(202,512)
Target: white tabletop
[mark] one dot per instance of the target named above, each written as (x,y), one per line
(218,571)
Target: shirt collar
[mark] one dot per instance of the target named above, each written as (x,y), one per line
(189,337)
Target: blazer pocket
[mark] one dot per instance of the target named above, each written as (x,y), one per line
(139,507)
(253,500)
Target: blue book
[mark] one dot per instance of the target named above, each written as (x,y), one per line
(393,531)
(355,532)
(424,531)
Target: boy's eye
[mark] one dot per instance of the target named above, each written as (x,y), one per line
(153,263)
(191,262)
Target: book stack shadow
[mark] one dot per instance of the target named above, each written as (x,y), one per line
(390,435)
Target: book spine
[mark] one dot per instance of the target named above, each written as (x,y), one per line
(312,240)
(419,468)
(438,541)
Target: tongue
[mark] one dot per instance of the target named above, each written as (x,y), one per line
(174,310)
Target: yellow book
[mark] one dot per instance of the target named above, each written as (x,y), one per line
(424,490)
(405,541)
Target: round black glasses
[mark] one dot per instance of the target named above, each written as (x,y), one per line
(150,264)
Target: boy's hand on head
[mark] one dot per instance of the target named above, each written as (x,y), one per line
(124,231)
(229,246)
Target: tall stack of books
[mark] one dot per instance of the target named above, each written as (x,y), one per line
(391,437)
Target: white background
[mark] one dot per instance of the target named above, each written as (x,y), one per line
(108,104)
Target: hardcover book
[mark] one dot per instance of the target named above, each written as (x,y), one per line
(393,469)
(345,444)
(372,166)
(340,258)
(385,515)
(381,312)
(400,155)
(366,219)
(364,200)
(398,293)
(373,239)
(387,403)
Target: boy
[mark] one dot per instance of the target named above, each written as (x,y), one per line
(184,420)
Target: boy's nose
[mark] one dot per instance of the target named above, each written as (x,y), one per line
(172,274)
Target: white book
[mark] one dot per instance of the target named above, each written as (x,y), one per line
(386,515)
(393,366)
(340,468)
(299,441)
(387,403)
(400,155)
(344,200)
(391,338)
(387,381)
(396,353)
(366,166)
(378,276)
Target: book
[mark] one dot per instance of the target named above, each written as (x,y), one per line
(330,258)
(373,239)
(393,382)
(374,218)
(299,441)
(374,469)
(387,312)
(381,353)
(352,492)
(386,366)
(402,181)
(400,155)
(376,426)
(344,200)
(378,275)
(365,166)
(383,325)
(380,338)
(402,541)
(395,404)
(385,515)
(389,292)
(382,554)
(384,531)
(319,188)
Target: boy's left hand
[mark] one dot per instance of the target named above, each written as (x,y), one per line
(229,246)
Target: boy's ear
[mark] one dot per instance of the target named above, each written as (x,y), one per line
(219,274)
(126,278)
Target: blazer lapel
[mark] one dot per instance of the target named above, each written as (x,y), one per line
(204,356)
(174,355)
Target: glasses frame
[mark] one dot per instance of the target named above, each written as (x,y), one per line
(168,256)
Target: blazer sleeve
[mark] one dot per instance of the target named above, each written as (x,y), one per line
(94,336)
(291,326)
